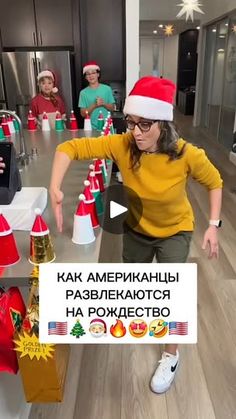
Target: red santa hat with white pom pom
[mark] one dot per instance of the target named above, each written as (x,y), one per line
(151,98)
(48,73)
(39,228)
(90,66)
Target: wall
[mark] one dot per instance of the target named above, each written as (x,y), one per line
(215,8)
(168,56)
(159,9)
(147,46)
(132,43)
(171,58)
(168,9)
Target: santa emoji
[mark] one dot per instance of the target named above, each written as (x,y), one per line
(98,328)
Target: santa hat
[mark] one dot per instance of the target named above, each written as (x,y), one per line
(39,228)
(9,254)
(5,229)
(87,192)
(91,65)
(99,322)
(151,98)
(48,73)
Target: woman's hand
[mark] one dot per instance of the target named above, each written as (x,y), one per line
(61,163)
(211,239)
(56,202)
(2,165)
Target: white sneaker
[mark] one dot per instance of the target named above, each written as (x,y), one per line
(119,177)
(165,372)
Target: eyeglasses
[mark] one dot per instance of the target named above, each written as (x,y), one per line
(91,73)
(144,126)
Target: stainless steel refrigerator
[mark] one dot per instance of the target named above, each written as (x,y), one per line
(20,70)
(2,91)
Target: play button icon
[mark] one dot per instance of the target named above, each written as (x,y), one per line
(116,209)
(122,207)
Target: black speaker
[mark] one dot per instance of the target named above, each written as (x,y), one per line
(10,181)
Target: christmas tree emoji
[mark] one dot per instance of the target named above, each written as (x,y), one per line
(77,330)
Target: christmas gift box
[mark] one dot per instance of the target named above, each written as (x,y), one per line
(12,311)
(42,367)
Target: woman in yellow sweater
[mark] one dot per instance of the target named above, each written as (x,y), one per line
(155,163)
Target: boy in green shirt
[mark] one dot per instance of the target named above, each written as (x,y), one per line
(96,97)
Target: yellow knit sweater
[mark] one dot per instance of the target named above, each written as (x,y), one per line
(159,182)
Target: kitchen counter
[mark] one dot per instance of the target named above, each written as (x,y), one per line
(37,173)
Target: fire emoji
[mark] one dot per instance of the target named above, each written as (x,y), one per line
(118,331)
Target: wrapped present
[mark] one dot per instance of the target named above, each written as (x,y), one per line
(31,320)
(8,359)
(42,366)
(12,311)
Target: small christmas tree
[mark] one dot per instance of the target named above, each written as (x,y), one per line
(77,330)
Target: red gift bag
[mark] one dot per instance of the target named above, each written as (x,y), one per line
(12,312)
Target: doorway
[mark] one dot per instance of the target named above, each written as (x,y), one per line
(151,56)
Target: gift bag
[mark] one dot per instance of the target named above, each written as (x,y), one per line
(43,369)
(12,311)
(42,366)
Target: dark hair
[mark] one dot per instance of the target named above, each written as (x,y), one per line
(167,144)
(53,99)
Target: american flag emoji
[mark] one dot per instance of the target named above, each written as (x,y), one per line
(57,328)
(178,328)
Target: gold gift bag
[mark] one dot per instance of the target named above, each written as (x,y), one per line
(43,368)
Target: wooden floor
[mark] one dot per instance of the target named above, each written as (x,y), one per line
(114,379)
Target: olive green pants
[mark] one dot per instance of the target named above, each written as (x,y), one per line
(138,248)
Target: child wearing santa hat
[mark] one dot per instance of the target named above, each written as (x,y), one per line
(155,163)
(96,97)
(47,100)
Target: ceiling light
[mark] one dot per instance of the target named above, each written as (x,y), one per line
(214,30)
(188,7)
(169,30)
(226,24)
(222,36)
(198,27)
(160,26)
(155,32)
(221,50)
